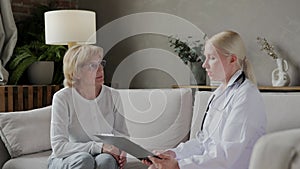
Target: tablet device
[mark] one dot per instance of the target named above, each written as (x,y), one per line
(128,146)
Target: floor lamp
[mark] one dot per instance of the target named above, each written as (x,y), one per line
(70,27)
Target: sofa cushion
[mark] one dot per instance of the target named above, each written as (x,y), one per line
(26,132)
(278,150)
(4,155)
(283,110)
(40,161)
(30,161)
(199,107)
(157,118)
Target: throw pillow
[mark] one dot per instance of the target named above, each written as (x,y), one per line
(26,132)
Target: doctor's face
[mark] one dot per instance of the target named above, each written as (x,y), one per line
(215,63)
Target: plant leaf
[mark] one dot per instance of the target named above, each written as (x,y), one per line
(18,72)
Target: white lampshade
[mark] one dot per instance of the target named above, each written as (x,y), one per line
(65,27)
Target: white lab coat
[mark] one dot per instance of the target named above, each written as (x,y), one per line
(235,120)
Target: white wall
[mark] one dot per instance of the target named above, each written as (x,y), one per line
(278,21)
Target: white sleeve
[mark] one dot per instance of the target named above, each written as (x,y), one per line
(59,134)
(120,127)
(187,149)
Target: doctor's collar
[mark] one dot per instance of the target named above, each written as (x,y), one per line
(238,78)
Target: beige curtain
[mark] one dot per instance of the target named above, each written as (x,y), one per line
(8,37)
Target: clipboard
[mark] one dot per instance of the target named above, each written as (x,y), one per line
(128,146)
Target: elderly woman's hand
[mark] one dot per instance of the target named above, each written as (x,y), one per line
(112,150)
(123,159)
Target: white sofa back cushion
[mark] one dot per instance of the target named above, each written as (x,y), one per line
(199,107)
(283,110)
(26,132)
(157,118)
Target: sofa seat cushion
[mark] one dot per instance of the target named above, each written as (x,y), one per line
(26,132)
(30,161)
(40,161)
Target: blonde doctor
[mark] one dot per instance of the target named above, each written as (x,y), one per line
(235,117)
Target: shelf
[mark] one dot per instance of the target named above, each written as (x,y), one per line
(261,88)
(26,97)
(280,89)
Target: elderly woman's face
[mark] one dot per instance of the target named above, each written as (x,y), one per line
(216,63)
(91,72)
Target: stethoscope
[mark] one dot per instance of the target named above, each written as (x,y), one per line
(241,78)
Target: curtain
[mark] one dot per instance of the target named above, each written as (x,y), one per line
(8,37)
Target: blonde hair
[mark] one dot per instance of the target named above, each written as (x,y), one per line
(75,57)
(232,43)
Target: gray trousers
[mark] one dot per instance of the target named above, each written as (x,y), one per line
(84,160)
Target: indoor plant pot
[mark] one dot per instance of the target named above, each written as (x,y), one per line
(41,72)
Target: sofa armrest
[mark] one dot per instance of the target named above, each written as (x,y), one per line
(4,156)
(276,150)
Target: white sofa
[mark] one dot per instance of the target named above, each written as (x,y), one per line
(156,119)
(160,119)
(280,148)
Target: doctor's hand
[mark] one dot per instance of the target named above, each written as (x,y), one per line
(166,162)
(168,152)
(112,150)
(158,153)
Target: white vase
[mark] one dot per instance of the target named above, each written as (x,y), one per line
(280,77)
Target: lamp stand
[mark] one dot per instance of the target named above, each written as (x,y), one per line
(70,44)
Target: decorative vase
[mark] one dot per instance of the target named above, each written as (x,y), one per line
(41,72)
(198,74)
(280,77)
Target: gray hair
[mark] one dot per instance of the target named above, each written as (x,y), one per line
(76,56)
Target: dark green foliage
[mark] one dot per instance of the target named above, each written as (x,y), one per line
(187,51)
(37,50)
(31,47)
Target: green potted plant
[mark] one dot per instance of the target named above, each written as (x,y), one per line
(31,48)
(25,56)
(192,54)
(187,51)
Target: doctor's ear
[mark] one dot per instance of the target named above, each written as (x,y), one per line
(233,58)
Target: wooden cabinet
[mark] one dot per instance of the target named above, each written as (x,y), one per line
(26,97)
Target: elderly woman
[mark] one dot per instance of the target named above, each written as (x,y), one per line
(235,117)
(83,109)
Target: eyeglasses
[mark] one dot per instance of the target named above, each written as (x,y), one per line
(95,65)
